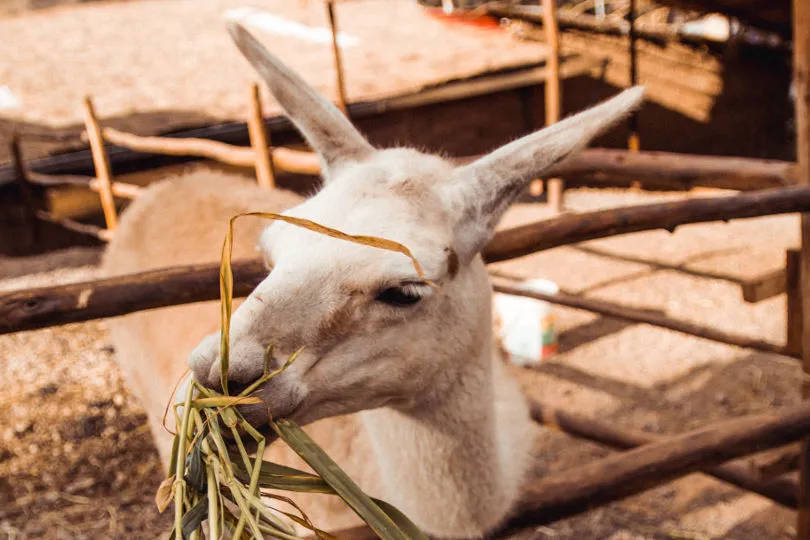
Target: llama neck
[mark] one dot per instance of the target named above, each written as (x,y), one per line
(455,463)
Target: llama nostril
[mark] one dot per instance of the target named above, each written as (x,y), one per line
(203,359)
(245,366)
(204,370)
(235,388)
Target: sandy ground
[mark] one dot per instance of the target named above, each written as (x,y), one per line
(176,55)
(76,460)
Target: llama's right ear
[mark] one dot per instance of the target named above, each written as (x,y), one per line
(480,192)
(326,129)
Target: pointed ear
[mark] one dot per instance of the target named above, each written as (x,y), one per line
(481,191)
(326,129)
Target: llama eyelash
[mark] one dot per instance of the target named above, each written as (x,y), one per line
(403,294)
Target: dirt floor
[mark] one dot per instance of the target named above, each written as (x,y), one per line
(175,56)
(76,460)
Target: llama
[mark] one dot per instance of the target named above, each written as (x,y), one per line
(398,381)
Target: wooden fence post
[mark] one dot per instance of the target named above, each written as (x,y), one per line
(101,164)
(259,141)
(26,192)
(553,98)
(793,290)
(801,81)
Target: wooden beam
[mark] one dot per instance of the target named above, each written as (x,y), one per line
(643,316)
(26,192)
(102,165)
(38,308)
(764,287)
(80,162)
(582,21)
(484,85)
(553,98)
(570,229)
(771,15)
(238,156)
(801,82)
(775,463)
(62,304)
(656,265)
(594,166)
(286,159)
(782,491)
(119,189)
(671,170)
(76,226)
(572,491)
(794,319)
(139,153)
(649,446)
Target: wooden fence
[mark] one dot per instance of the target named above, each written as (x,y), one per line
(646,461)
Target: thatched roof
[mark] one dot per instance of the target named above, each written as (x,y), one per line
(771,15)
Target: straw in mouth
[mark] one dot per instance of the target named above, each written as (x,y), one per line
(217,473)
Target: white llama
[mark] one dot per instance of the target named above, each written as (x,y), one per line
(399,382)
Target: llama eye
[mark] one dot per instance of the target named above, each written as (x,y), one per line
(399,296)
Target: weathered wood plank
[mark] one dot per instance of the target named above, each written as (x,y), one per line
(801,82)
(783,491)
(775,463)
(764,286)
(570,229)
(38,308)
(572,491)
(642,316)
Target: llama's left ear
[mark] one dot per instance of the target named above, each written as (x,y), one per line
(326,129)
(480,192)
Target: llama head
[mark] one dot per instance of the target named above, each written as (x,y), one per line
(373,332)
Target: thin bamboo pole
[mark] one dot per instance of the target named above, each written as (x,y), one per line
(341,82)
(119,189)
(258,140)
(102,165)
(287,159)
(238,156)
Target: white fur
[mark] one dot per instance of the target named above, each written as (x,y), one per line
(411,400)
